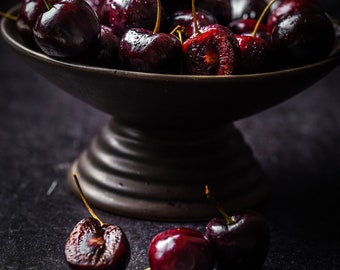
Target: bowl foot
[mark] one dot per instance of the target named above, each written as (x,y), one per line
(161,174)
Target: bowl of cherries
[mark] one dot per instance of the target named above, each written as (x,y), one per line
(174,76)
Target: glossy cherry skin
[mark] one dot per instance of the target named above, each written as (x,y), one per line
(242,245)
(141,50)
(124,15)
(180,249)
(214,51)
(302,38)
(107,51)
(242,26)
(91,246)
(221,9)
(255,54)
(184,18)
(69,29)
(96,5)
(29,11)
(287,7)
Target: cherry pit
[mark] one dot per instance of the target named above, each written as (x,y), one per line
(202,37)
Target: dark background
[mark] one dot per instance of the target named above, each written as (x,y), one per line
(43,129)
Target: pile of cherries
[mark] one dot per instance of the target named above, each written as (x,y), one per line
(237,242)
(209,37)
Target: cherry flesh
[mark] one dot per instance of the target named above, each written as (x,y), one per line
(213,51)
(95,245)
(91,245)
(69,29)
(180,249)
(59,36)
(240,244)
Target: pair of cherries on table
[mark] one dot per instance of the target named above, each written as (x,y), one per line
(239,241)
(114,33)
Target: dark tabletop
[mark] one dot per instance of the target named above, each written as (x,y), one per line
(43,129)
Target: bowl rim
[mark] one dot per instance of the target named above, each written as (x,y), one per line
(333,58)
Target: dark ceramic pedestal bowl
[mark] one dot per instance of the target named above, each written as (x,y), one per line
(169,134)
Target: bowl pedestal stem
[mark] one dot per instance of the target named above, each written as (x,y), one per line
(160,174)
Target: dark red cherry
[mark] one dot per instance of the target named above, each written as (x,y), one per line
(221,9)
(255,54)
(150,51)
(302,38)
(96,5)
(185,19)
(255,50)
(242,26)
(240,243)
(124,15)
(69,29)
(107,52)
(287,7)
(93,246)
(142,50)
(29,11)
(212,51)
(180,249)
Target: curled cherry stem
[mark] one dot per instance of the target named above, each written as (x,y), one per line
(178,30)
(88,207)
(261,17)
(218,206)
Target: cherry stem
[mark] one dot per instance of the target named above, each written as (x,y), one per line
(8,16)
(218,206)
(92,213)
(158,18)
(47,4)
(178,30)
(193,9)
(261,17)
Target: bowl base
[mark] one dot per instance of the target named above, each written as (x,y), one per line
(161,174)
